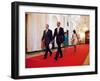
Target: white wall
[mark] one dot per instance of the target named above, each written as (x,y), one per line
(5,40)
(35,27)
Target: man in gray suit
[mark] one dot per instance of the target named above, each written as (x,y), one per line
(47,38)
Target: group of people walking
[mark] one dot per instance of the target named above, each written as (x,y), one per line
(48,37)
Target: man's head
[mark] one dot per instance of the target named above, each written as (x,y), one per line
(47,26)
(58,24)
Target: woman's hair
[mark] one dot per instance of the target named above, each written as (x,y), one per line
(74,31)
(67,31)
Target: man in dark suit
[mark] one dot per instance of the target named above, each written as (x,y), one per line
(47,38)
(59,34)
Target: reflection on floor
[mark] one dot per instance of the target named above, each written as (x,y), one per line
(70,58)
(86,62)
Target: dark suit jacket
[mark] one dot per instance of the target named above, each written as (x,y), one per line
(47,36)
(59,36)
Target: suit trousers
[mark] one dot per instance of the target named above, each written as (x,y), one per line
(59,51)
(47,50)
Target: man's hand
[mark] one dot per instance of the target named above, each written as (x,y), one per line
(52,41)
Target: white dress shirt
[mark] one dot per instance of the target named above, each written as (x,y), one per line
(58,29)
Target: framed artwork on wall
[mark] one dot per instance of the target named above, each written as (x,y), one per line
(50,40)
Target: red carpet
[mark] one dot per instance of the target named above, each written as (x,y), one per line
(70,58)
